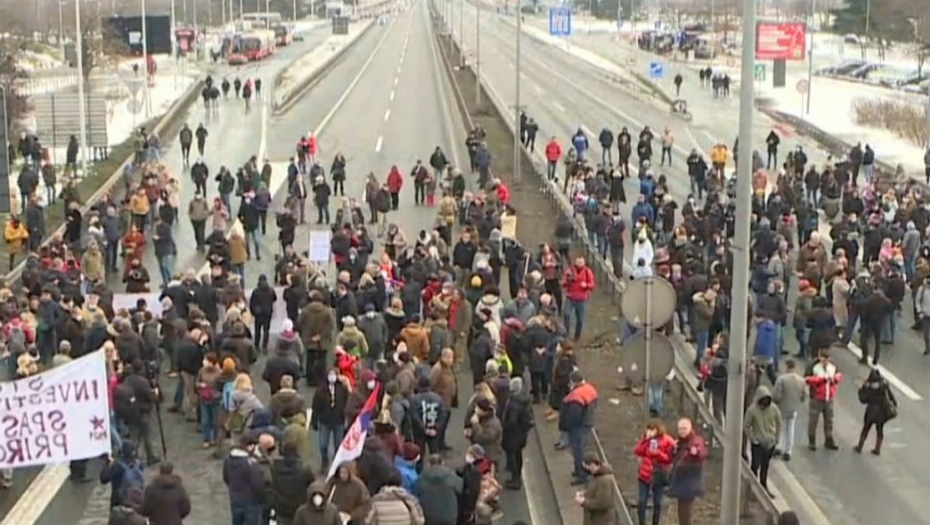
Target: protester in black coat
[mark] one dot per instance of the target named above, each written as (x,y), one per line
(279,365)
(516,421)
(166,501)
(290,479)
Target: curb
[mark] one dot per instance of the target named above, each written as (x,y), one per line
(180,106)
(280,107)
(605,274)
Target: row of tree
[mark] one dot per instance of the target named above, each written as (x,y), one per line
(888,22)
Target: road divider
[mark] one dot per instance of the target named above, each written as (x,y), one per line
(683,381)
(291,83)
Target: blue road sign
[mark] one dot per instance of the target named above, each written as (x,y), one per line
(560,21)
(656,70)
(657,25)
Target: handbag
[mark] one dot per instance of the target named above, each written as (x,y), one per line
(890,408)
(659,476)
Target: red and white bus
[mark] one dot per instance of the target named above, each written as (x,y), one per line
(251,46)
(284,34)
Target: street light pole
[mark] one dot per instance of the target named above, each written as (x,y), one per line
(517,144)
(61,29)
(810,59)
(477,54)
(462,33)
(145,60)
(736,380)
(82,101)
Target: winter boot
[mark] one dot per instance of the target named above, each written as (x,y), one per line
(862,436)
(877,451)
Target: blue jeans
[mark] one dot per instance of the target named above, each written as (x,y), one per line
(251,238)
(577,440)
(656,395)
(909,268)
(889,326)
(701,340)
(803,337)
(646,490)
(324,435)
(208,422)
(850,327)
(551,169)
(116,439)
(578,308)
(245,514)
(179,392)
(239,269)
(925,325)
(166,268)
(227,203)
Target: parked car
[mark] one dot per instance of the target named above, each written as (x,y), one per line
(912,79)
(843,68)
(863,72)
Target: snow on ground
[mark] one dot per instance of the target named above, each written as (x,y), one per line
(171,81)
(831,102)
(305,66)
(29,60)
(831,111)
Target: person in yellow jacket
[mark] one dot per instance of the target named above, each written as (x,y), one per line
(718,158)
(16,236)
(139,207)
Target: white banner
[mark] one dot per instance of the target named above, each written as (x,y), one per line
(56,416)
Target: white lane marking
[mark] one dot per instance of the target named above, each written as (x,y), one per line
(558,106)
(537,89)
(523,75)
(277,182)
(893,380)
(379,144)
(587,131)
(399,69)
(510,66)
(396,80)
(693,139)
(393,92)
(387,115)
(38,496)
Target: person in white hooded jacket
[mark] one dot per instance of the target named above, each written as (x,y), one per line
(643,249)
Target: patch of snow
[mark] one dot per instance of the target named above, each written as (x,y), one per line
(832,111)
(312,60)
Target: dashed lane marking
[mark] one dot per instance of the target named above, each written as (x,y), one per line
(387,115)
(558,106)
(379,144)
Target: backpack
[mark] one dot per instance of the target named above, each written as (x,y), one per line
(124,402)
(861,291)
(132,485)
(16,340)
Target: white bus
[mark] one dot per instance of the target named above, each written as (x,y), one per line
(262,20)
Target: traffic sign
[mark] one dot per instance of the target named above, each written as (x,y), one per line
(758,72)
(659,352)
(656,70)
(803,87)
(648,297)
(560,21)
(657,25)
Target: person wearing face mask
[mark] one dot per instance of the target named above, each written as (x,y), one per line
(328,414)
(763,426)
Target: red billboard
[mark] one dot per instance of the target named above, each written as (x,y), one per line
(781,40)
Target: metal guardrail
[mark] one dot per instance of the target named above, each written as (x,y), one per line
(281,106)
(181,105)
(686,392)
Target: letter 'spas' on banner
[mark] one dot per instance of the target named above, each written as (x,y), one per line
(57,416)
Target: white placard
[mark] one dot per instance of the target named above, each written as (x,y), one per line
(320,246)
(56,416)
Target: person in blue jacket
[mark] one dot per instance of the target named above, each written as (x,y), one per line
(580,142)
(406,464)
(642,209)
(766,347)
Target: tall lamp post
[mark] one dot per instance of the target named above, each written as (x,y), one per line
(477,54)
(462,33)
(145,60)
(517,144)
(82,101)
(736,380)
(810,58)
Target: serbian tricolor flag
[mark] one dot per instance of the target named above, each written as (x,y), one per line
(354,441)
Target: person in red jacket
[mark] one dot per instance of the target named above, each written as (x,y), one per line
(553,154)
(822,378)
(578,283)
(395,181)
(312,147)
(503,193)
(655,449)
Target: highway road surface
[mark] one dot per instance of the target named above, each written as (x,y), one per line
(386,103)
(564,94)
